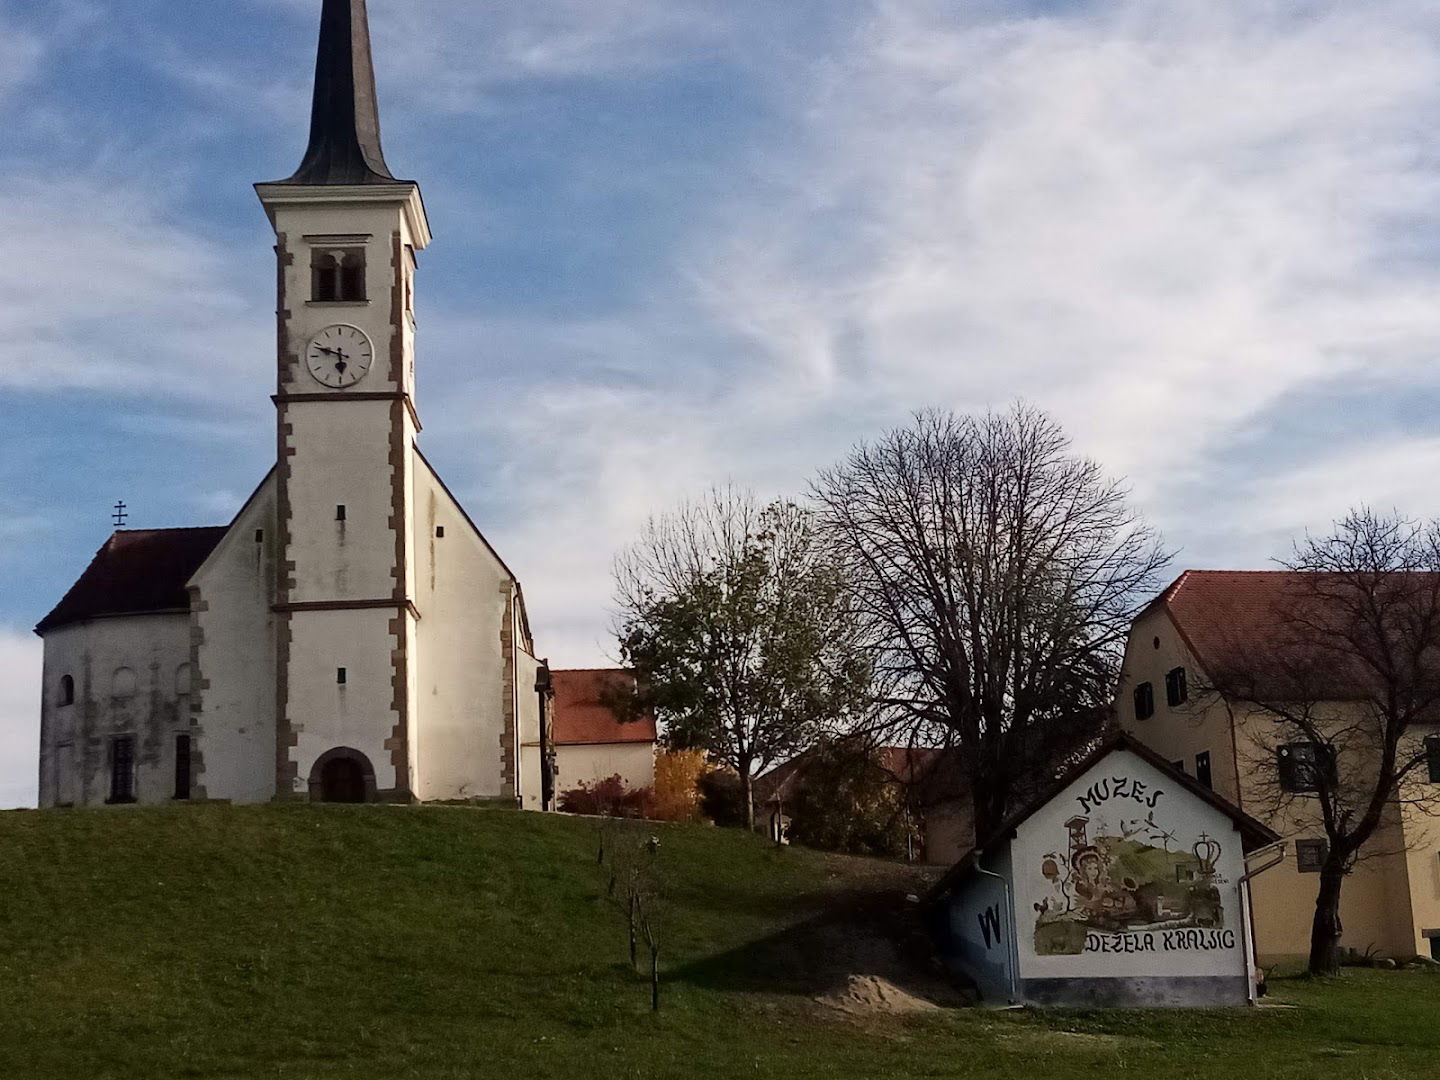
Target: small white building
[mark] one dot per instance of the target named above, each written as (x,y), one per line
(350,635)
(591,743)
(1127,884)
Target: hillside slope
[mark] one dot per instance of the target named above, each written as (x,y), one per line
(384,941)
(440,943)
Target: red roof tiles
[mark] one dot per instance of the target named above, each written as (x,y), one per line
(137,571)
(582,718)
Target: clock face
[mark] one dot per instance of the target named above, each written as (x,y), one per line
(339,356)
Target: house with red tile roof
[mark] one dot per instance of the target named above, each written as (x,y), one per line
(1204,625)
(589,740)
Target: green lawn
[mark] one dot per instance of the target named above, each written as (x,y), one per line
(447,942)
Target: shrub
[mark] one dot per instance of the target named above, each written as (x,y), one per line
(677,785)
(607,798)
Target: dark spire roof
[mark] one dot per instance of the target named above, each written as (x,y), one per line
(345,121)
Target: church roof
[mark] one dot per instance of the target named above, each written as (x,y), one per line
(137,571)
(345,118)
(581,715)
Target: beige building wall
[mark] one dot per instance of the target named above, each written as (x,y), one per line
(1393,893)
(634,763)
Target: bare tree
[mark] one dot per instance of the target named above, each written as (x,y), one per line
(741,632)
(997,574)
(1349,687)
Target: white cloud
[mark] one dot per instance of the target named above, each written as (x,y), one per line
(1159,220)
(19,717)
(108,294)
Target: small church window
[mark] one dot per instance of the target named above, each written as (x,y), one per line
(340,512)
(67,690)
(182,766)
(122,769)
(340,676)
(440,531)
(337,275)
(259,536)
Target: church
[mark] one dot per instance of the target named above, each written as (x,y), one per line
(351,635)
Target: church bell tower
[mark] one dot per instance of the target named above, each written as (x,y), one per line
(347,236)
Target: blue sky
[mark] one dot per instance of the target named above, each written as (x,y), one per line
(683,242)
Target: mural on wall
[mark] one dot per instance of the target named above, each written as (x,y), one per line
(1124,881)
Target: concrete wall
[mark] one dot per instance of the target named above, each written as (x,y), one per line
(465,599)
(634,763)
(233,647)
(132,677)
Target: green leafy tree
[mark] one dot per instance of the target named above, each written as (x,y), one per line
(741,631)
(846,800)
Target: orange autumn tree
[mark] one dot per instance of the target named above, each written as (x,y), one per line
(677,785)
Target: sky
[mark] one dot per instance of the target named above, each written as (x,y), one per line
(681,243)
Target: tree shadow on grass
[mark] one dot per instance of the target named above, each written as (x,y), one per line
(861,934)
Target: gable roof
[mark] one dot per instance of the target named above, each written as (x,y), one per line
(581,717)
(1253,630)
(1218,611)
(1253,833)
(929,774)
(137,571)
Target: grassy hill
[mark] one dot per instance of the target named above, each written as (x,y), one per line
(449,942)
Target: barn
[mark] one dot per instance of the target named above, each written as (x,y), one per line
(1125,884)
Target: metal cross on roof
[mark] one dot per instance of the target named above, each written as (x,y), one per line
(120,514)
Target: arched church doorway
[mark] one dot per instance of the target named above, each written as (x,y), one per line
(342,775)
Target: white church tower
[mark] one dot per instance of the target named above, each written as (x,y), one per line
(347,235)
(351,636)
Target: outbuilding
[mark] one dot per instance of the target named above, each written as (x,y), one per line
(1125,884)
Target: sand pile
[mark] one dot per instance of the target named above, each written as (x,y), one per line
(867,995)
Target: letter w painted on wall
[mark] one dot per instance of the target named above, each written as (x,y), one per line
(989,921)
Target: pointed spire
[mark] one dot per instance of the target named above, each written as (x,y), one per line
(345,122)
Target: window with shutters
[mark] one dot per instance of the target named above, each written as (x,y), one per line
(1202,768)
(1302,766)
(1310,855)
(1144,701)
(1176,691)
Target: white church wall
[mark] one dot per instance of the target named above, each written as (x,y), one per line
(326,713)
(634,763)
(234,653)
(130,679)
(461,592)
(527,725)
(341,458)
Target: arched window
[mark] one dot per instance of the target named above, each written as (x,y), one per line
(123,684)
(182,680)
(67,690)
(337,275)
(352,276)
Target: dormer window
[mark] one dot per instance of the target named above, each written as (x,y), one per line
(337,275)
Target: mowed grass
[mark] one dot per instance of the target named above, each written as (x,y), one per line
(450,942)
